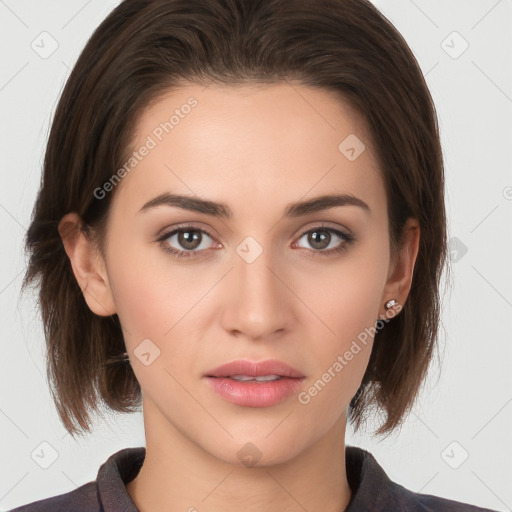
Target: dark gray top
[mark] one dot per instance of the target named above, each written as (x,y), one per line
(372,490)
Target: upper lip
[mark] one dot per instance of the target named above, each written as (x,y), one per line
(255,369)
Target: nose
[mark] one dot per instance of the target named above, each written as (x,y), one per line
(257,301)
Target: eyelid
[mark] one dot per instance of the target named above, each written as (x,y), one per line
(167,232)
(326,225)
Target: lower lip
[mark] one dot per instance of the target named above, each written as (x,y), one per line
(255,394)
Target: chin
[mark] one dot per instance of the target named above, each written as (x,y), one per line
(257,451)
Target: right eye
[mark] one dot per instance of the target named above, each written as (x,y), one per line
(189,240)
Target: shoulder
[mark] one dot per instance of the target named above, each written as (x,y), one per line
(429,503)
(81,499)
(108,491)
(373,490)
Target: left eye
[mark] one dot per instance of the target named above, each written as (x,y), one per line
(320,238)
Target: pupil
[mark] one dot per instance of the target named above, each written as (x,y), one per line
(314,238)
(188,239)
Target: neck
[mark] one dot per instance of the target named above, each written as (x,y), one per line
(179,475)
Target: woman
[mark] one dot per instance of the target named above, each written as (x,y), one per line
(241,227)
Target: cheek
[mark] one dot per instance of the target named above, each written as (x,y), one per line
(153,298)
(345,300)
(156,298)
(143,295)
(345,297)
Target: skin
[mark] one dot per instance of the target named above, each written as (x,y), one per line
(256,149)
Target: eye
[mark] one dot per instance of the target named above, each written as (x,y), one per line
(321,237)
(189,241)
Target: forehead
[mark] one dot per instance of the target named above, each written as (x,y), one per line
(280,141)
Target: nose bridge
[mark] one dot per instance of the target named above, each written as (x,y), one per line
(258,298)
(252,267)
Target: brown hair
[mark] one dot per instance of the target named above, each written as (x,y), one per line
(146,47)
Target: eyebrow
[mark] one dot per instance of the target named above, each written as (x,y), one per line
(221,210)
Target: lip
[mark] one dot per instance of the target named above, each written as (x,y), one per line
(255,369)
(255,394)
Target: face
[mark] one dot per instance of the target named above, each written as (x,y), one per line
(261,283)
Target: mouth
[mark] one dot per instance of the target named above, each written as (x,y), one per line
(251,384)
(248,378)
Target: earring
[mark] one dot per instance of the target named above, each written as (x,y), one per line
(390,304)
(387,306)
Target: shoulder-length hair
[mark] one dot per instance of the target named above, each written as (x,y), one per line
(141,51)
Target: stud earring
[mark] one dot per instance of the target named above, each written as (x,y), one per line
(390,303)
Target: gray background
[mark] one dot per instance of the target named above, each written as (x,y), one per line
(456,442)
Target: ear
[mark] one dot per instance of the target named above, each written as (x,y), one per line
(400,272)
(88,265)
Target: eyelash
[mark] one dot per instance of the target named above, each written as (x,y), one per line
(347,240)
